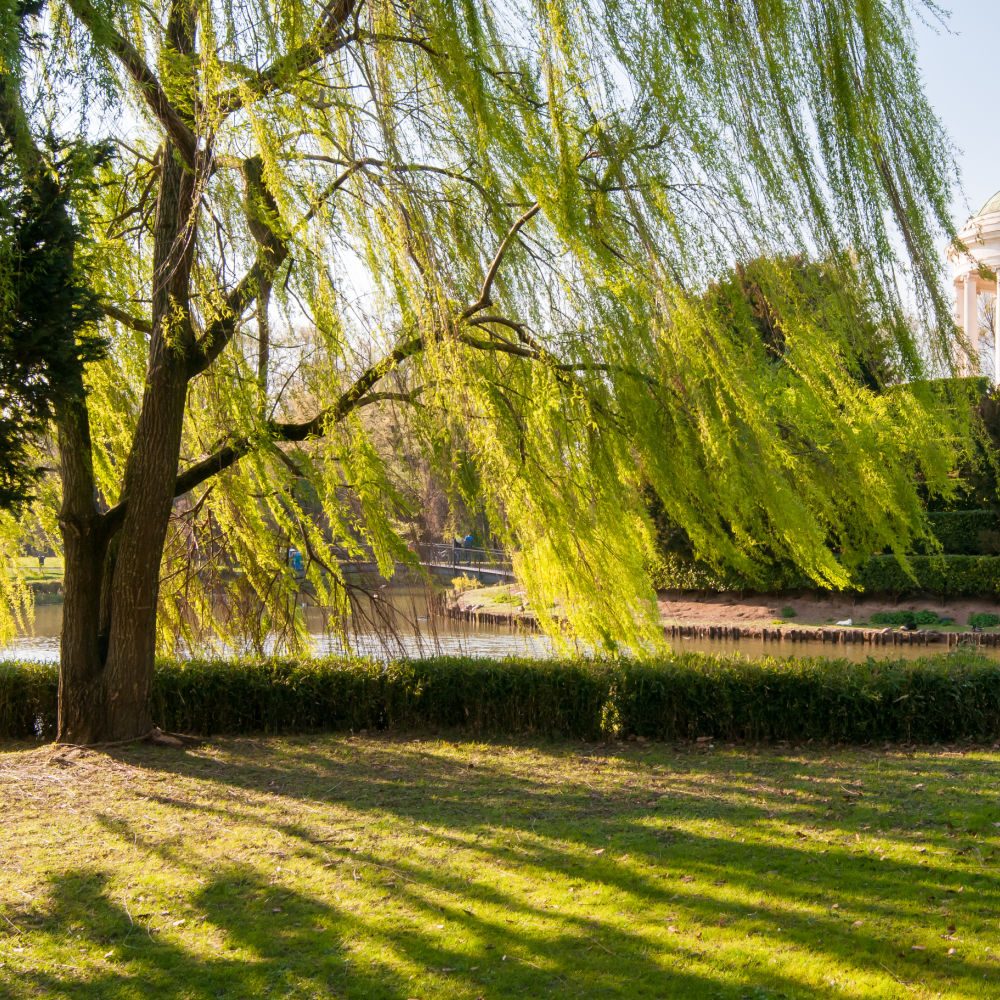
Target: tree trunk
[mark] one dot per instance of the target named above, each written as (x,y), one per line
(82,694)
(108,646)
(135,572)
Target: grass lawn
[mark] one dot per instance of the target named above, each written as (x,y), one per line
(403,867)
(52,570)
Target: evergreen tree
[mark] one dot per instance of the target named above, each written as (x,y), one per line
(47,319)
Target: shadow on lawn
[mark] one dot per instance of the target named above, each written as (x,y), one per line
(480,935)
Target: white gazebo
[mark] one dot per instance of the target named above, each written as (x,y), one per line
(980,237)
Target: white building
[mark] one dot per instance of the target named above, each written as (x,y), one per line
(977,271)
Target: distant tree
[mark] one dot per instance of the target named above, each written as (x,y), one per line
(761,299)
(760,303)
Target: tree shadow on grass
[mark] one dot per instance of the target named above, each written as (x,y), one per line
(253,940)
(268,941)
(700,914)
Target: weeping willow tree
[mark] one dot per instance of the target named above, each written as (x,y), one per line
(500,220)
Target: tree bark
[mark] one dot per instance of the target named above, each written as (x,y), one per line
(82,691)
(112,584)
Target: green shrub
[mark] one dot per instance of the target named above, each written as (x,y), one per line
(505,597)
(679,697)
(788,611)
(984,619)
(500,696)
(943,577)
(908,618)
(894,618)
(678,573)
(28,699)
(940,698)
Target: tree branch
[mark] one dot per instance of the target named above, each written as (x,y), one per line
(400,168)
(352,398)
(326,40)
(126,319)
(484,299)
(357,396)
(214,340)
(149,86)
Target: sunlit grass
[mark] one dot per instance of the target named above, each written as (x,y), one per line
(31,571)
(417,868)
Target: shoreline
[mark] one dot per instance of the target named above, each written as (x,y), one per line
(696,615)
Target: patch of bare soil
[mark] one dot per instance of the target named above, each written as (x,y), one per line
(681,608)
(56,772)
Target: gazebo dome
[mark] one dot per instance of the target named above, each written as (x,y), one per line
(993,205)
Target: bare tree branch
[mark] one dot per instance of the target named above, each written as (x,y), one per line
(126,319)
(357,396)
(215,339)
(327,39)
(484,299)
(149,85)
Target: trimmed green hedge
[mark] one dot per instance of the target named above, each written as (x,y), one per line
(947,576)
(938,698)
(967,532)
(984,619)
(941,576)
(28,699)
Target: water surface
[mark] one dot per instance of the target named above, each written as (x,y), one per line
(414,630)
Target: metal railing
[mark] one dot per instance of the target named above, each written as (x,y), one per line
(447,554)
(459,557)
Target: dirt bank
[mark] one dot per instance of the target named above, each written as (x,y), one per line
(683,608)
(770,617)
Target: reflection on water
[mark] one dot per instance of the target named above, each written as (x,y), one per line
(401,623)
(855,652)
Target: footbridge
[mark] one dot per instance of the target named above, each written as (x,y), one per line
(449,560)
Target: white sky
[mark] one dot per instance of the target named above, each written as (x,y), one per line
(961,67)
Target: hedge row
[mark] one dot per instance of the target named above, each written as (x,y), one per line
(676,573)
(948,576)
(941,576)
(963,534)
(939,698)
(967,532)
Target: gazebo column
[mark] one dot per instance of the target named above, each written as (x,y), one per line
(971,317)
(996,334)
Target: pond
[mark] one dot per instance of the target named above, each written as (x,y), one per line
(417,630)
(400,622)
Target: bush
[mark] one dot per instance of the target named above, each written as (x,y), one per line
(984,619)
(893,618)
(680,697)
(499,696)
(943,577)
(677,573)
(908,618)
(938,698)
(788,611)
(28,699)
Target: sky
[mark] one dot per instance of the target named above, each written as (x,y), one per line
(961,68)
